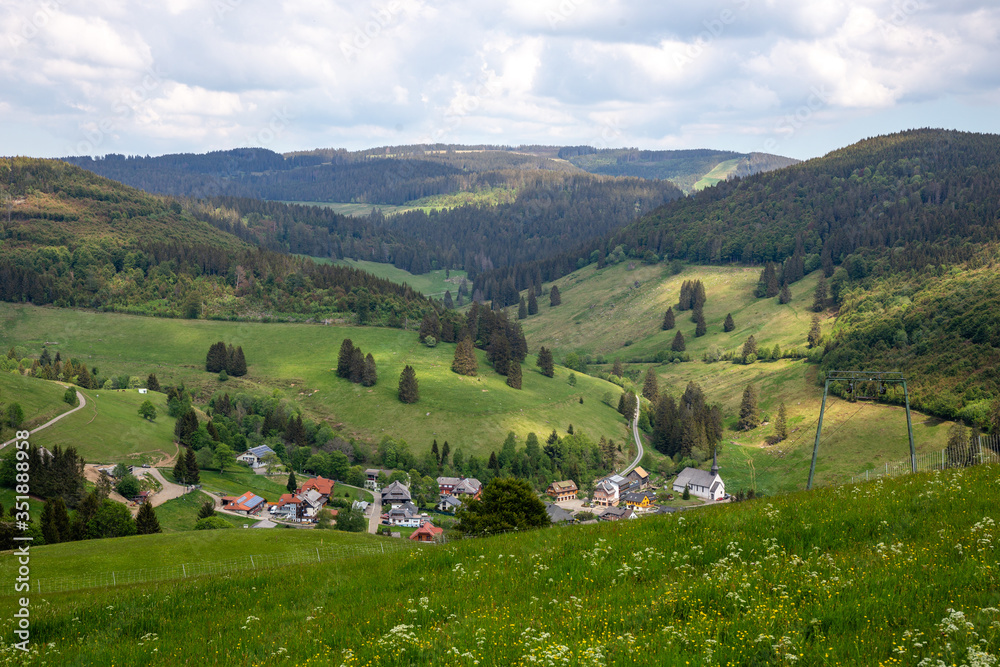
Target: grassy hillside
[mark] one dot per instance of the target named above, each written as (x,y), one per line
(296,361)
(433,283)
(40,400)
(605,316)
(876,574)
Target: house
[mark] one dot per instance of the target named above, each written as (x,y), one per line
(143,391)
(406,515)
(427,533)
(617,514)
(249,503)
(142,497)
(558,514)
(395,494)
(446,484)
(371,478)
(565,490)
(288,507)
(707,485)
(254,457)
(312,502)
(323,486)
(639,499)
(468,487)
(360,505)
(639,475)
(448,504)
(605,494)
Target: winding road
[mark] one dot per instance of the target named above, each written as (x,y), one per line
(83,404)
(638,440)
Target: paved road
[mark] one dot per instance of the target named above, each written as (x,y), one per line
(638,440)
(83,404)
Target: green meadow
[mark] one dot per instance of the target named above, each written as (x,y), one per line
(180,514)
(296,362)
(886,573)
(41,400)
(433,283)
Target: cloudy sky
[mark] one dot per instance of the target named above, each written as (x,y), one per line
(793,77)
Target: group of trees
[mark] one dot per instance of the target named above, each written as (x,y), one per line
(186,467)
(353,365)
(58,473)
(686,427)
(222,357)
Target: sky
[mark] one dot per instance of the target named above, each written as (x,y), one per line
(793,77)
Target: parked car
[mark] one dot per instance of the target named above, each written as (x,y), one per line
(145,465)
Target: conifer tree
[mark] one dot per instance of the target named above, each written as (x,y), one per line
(445,452)
(448,303)
(152,383)
(781,423)
(545,362)
(728,325)
(532,303)
(192,475)
(146,522)
(749,412)
(465,362)
(651,386)
(554,298)
(815,333)
(357,365)
(60,519)
(180,469)
(494,464)
(514,374)
(617,369)
(436,453)
(700,328)
(499,353)
(749,347)
(668,320)
(49,530)
(344,359)
(430,326)
(678,344)
(237,367)
(698,295)
(291,484)
(785,295)
(369,375)
(409,390)
(207,509)
(186,426)
(820,295)
(215,361)
(522,309)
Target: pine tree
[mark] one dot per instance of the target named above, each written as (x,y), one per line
(522,309)
(237,367)
(698,297)
(499,353)
(430,326)
(554,298)
(187,426)
(212,431)
(369,375)
(445,452)
(687,493)
(769,278)
(820,296)
(192,474)
(146,522)
(532,303)
(785,295)
(815,333)
(749,412)
(514,374)
(448,303)
(728,325)
(700,328)
(678,344)
(781,424)
(291,484)
(49,530)
(465,362)
(215,361)
(545,362)
(344,359)
(436,453)
(409,391)
(617,369)
(152,383)
(494,464)
(749,347)
(357,365)
(180,469)
(60,518)
(668,320)
(207,509)
(650,386)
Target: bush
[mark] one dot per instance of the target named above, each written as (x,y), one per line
(128,486)
(212,523)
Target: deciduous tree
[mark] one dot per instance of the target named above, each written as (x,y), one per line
(506,504)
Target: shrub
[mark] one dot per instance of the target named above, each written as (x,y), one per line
(212,523)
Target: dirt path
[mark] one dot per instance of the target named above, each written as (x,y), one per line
(169,490)
(83,404)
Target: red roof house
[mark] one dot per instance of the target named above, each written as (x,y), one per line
(427,532)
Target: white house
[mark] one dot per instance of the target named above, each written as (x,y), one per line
(143,390)
(406,515)
(707,485)
(255,455)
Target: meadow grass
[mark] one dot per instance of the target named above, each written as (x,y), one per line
(296,362)
(41,400)
(885,573)
(433,283)
(181,514)
(719,173)
(240,479)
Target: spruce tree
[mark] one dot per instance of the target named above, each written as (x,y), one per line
(430,326)
(749,412)
(698,297)
(545,362)
(436,453)
(49,530)
(532,303)
(237,366)
(445,452)
(700,328)
(207,509)
(146,522)
(781,424)
(369,375)
(728,325)
(785,295)
(186,426)
(820,296)
(668,320)
(651,386)
(815,333)
(180,467)
(771,286)
(678,344)
(448,303)
(499,353)
(465,362)
(357,365)
(291,484)
(514,374)
(215,361)
(344,359)
(409,391)
(616,368)
(749,347)
(152,383)
(60,518)
(522,309)
(192,474)
(554,298)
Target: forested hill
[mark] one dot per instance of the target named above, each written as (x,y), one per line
(71,238)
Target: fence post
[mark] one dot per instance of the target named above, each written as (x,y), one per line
(184,569)
(252,563)
(942,459)
(383,547)
(114,579)
(318,560)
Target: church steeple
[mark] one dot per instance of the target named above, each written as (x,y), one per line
(715,463)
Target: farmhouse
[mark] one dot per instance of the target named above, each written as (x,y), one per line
(638,475)
(395,494)
(638,499)
(605,494)
(288,507)
(448,504)
(565,490)
(254,456)
(460,486)
(617,514)
(247,504)
(406,515)
(427,533)
(323,486)
(371,478)
(707,485)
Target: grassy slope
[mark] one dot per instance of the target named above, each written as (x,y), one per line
(851,576)
(855,436)
(719,173)
(295,360)
(432,283)
(41,400)
(180,514)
